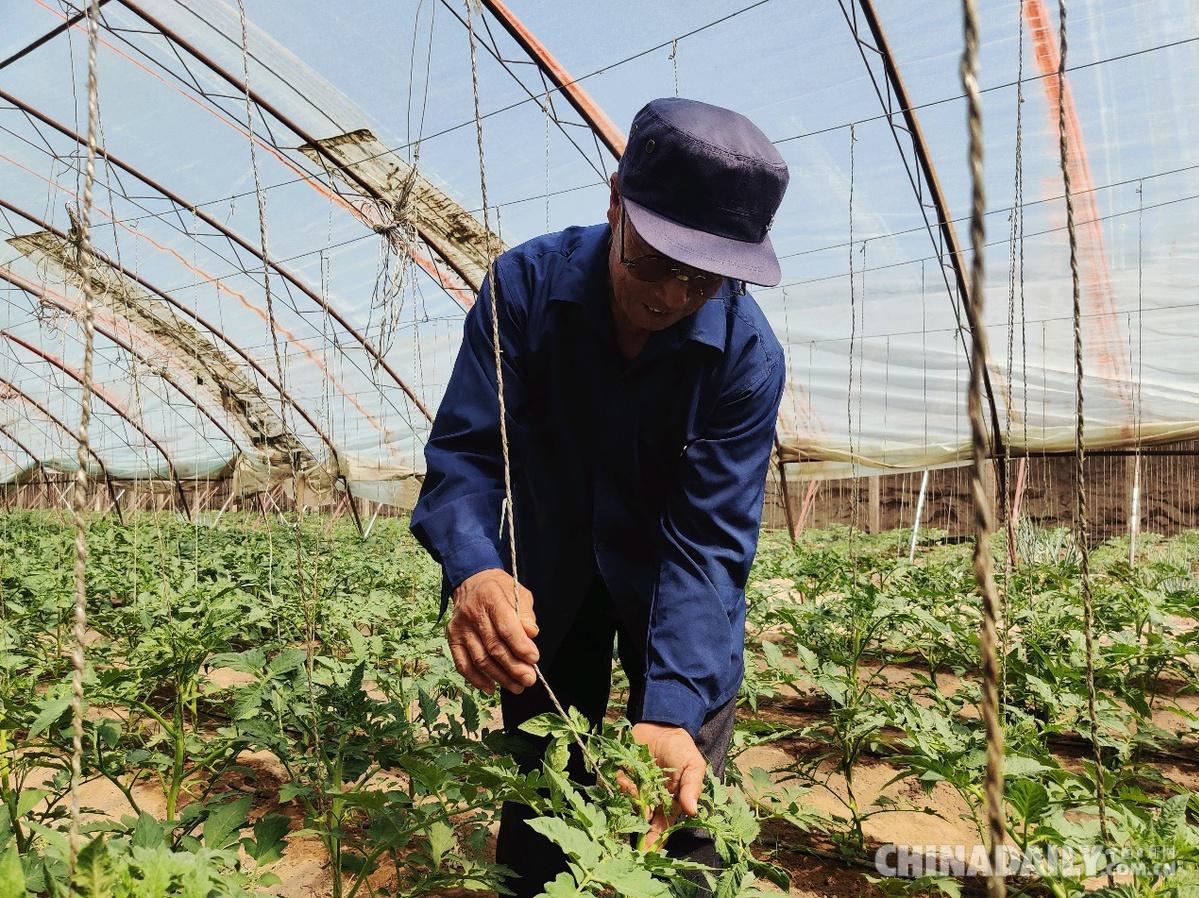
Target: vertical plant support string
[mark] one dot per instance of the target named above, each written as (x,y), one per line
(506,513)
(983,516)
(855,486)
(1080,482)
(79,503)
(1135,515)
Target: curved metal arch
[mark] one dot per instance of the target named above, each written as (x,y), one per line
(54,419)
(48,36)
(103,396)
(5,432)
(189,313)
(112,493)
(924,159)
(586,107)
(317,147)
(47,297)
(215,331)
(232,236)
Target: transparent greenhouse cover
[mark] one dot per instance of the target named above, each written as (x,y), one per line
(363,137)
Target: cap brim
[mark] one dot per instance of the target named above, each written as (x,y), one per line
(736,259)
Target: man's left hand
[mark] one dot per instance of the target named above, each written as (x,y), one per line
(674,751)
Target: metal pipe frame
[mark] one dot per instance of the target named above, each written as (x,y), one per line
(784,488)
(103,396)
(429,265)
(113,496)
(189,313)
(206,325)
(896,93)
(230,235)
(7,433)
(306,138)
(47,297)
(1023,454)
(48,36)
(586,107)
(1115,452)
(54,419)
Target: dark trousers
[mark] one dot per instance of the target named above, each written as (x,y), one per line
(581,676)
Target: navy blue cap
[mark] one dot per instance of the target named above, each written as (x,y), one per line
(701,184)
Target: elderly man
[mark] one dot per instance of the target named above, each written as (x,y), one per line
(642,384)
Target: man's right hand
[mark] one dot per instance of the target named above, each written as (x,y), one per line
(490,642)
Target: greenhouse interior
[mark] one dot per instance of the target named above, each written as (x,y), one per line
(269,441)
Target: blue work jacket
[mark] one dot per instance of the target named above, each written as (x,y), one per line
(649,471)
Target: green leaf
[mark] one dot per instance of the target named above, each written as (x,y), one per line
(441,841)
(562,886)
(287,661)
(52,709)
(807,658)
(148,832)
(250,661)
(12,877)
(542,725)
(470,713)
(27,800)
(774,656)
(224,821)
(91,870)
(1028,800)
(108,731)
(627,878)
(428,707)
(1014,765)
(290,791)
(574,842)
(157,867)
(270,838)
(558,753)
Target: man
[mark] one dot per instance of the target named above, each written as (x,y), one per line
(642,385)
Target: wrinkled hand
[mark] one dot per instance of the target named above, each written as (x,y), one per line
(490,642)
(674,751)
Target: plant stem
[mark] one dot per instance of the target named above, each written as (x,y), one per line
(179,760)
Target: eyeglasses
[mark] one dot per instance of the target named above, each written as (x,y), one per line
(654,268)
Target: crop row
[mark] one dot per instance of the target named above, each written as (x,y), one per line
(211,649)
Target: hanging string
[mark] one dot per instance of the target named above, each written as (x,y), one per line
(854,494)
(260,196)
(1136,510)
(79,505)
(862,340)
(1080,483)
(548,117)
(924,351)
(1015,245)
(507,514)
(674,60)
(1019,198)
(983,523)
